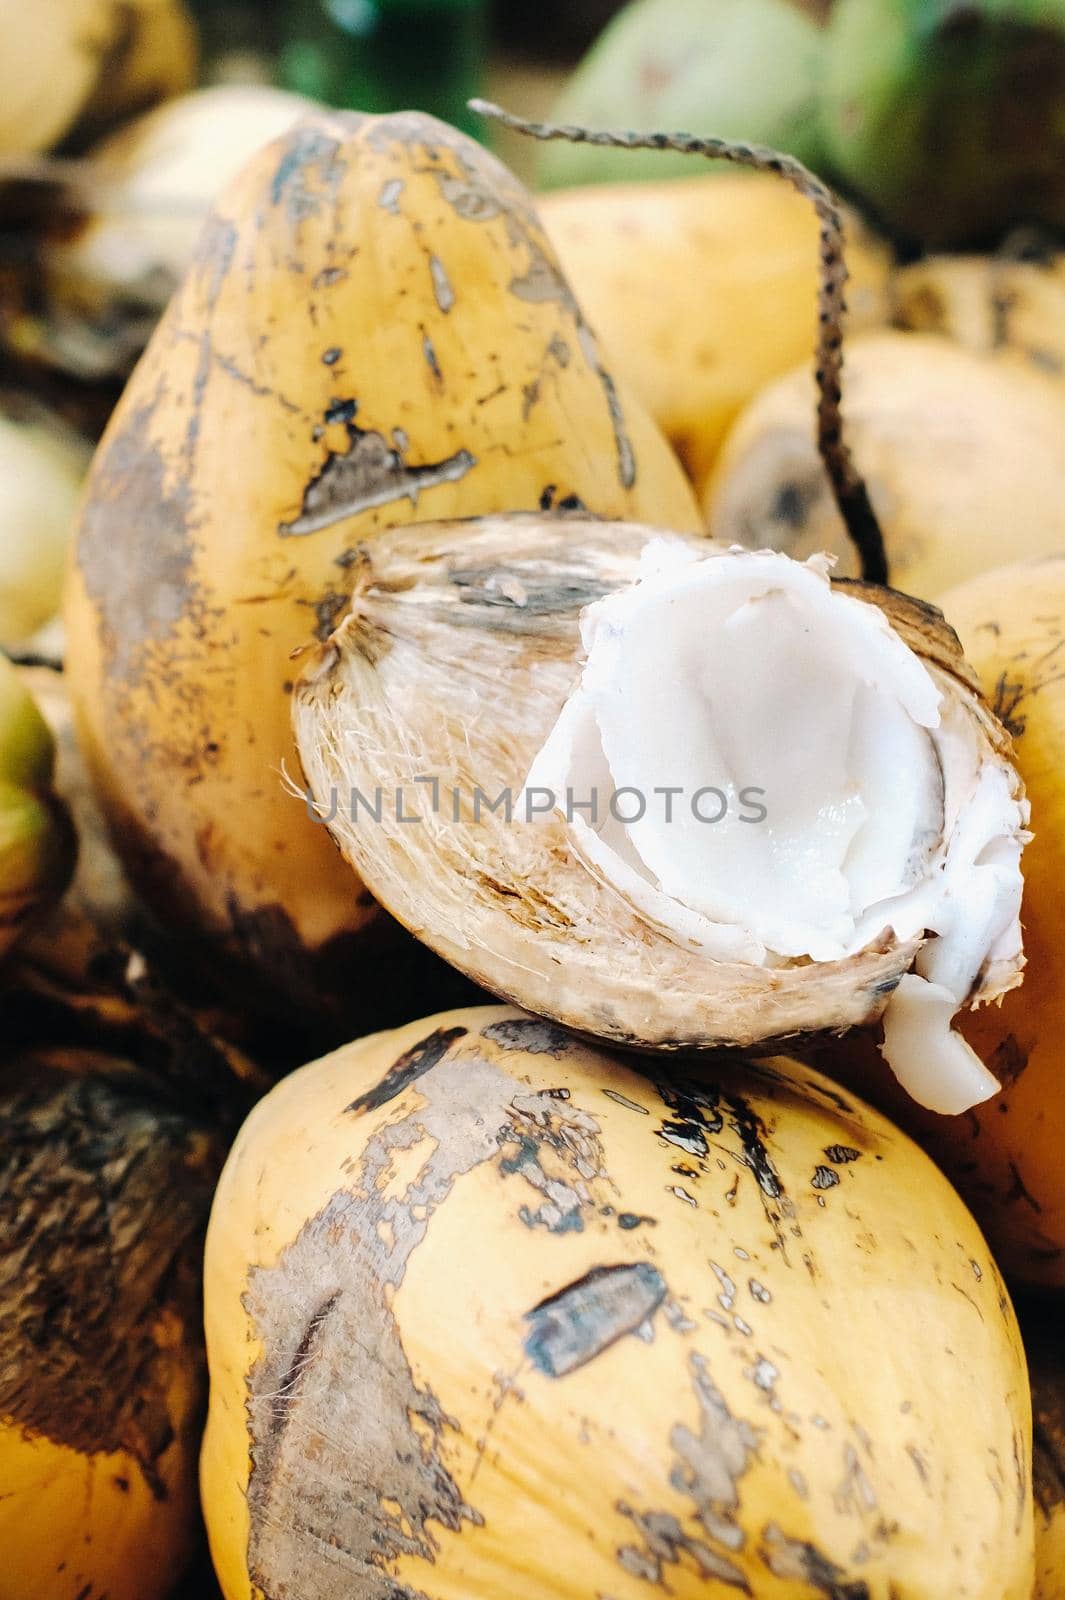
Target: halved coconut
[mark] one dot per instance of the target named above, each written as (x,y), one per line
(672,795)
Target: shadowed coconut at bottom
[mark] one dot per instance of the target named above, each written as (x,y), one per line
(490,1313)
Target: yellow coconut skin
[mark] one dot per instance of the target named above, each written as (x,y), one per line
(86,62)
(1006,1155)
(42,464)
(962,454)
(988,304)
(105,1192)
(489,1313)
(74,1524)
(1012,625)
(375,331)
(37,845)
(704,289)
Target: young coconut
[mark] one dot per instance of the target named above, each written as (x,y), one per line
(1006,1157)
(42,464)
(491,1313)
(375,330)
(996,305)
(37,846)
(962,455)
(826,824)
(701,288)
(124,228)
(948,116)
(750,68)
(98,893)
(105,1182)
(74,68)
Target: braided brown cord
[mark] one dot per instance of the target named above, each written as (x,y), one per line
(849,488)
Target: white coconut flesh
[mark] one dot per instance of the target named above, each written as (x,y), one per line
(747,683)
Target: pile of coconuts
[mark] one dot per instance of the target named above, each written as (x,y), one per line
(939,120)
(942,118)
(941,123)
(395,633)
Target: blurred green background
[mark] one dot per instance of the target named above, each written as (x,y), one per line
(380,55)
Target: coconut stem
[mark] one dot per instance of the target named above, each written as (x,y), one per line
(848,486)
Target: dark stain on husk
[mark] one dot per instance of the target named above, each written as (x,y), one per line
(824,1178)
(310,168)
(135,549)
(104,1192)
(708,1464)
(524,595)
(799,1559)
(370,472)
(334,1364)
(408,1068)
(841,1155)
(576,1324)
(530,1034)
(696,1118)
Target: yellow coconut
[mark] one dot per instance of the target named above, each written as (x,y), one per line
(491,1313)
(98,894)
(990,304)
(375,330)
(42,464)
(1005,1155)
(962,456)
(704,289)
(108,277)
(85,64)
(36,838)
(104,1195)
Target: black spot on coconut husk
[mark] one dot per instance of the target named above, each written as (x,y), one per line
(371,471)
(748,1125)
(410,1066)
(842,1154)
(576,1324)
(705,1110)
(628,1220)
(800,1559)
(531,1034)
(696,1117)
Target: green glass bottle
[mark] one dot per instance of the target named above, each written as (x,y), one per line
(388,55)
